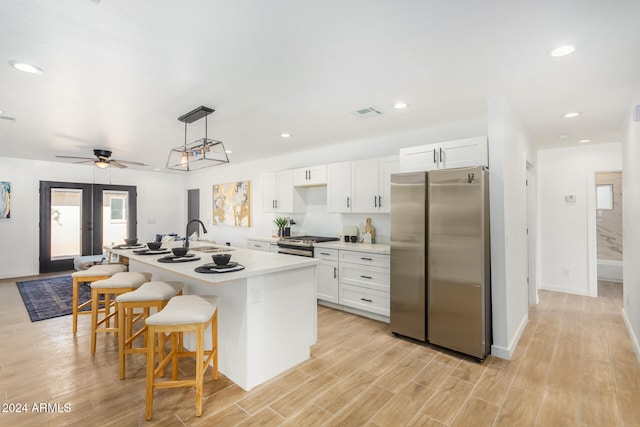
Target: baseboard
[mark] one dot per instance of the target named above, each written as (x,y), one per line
(634,339)
(610,271)
(575,291)
(506,353)
(17,275)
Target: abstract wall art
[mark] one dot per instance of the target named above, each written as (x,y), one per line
(231,204)
(5,199)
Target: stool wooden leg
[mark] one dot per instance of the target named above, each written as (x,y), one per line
(151,337)
(176,346)
(94,318)
(199,367)
(122,336)
(74,305)
(214,343)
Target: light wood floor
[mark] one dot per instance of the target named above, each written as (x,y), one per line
(574,366)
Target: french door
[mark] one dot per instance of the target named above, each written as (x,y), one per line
(79,219)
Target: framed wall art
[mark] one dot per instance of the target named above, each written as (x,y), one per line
(231,204)
(5,199)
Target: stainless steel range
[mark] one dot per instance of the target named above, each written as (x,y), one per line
(301,245)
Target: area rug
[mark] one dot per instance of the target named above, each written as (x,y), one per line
(50,297)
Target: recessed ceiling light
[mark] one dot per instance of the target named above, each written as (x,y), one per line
(571,114)
(1,112)
(585,140)
(228,151)
(399,105)
(285,135)
(563,50)
(27,68)
(563,136)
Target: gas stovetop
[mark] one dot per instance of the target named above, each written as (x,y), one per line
(306,240)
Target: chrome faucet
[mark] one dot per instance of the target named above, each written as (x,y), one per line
(186,233)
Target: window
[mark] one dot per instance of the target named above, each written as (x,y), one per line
(117,209)
(604,197)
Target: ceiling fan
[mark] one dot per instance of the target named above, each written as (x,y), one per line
(103,160)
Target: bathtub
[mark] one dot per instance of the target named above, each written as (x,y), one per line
(610,271)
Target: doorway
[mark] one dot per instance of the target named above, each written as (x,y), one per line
(193,210)
(608,188)
(532,279)
(79,219)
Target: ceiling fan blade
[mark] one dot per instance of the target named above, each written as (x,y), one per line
(74,157)
(117,164)
(83,161)
(130,162)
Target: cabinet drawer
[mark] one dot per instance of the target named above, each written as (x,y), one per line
(370,277)
(365,258)
(259,246)
(365,299)
(323,253)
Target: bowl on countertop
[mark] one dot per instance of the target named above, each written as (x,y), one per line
(154,246)
(221,259)
(131,241)
(180,251)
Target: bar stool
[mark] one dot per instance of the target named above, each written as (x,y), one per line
(101,292)
(92,274)
(149,295)
(186,313)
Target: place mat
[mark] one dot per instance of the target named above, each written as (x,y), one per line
(213,268)
(172,258)
(150,252)
(136,246)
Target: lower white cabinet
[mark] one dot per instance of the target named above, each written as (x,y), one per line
(355,280)
(327,275)
(259,245)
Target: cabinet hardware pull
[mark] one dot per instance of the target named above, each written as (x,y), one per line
(276,204)
(334,273)
(379,201)
(324,253)
(434,155)
(365,299)
(348,202)
(375,201)
(309,174)
(440,154)
(366,259)
(366,277)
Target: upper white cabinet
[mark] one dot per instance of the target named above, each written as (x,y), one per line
(360,186)
(305,177)
(279,194)
(445,155)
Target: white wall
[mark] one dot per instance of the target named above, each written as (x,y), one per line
(631,227)
(567,230)
(161,205)
(509,149)
(316,219)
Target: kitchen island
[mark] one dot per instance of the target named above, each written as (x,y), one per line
(267,313)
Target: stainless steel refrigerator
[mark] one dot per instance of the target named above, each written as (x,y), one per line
(440,258)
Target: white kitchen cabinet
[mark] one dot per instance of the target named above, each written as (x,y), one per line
(306,177)
(339,187)
(360,186)
(279,194)
(273,247)
(364,281)
(445,155)
(327,275)
(258,245)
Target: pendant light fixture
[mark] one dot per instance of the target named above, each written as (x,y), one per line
(198,154)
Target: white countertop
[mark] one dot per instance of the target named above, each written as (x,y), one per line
(256,263)
(361,247)
(269,239)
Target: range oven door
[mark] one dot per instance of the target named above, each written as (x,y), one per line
(293,249)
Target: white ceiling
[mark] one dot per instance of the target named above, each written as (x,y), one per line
(118,73)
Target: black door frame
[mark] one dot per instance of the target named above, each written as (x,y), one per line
(91,224)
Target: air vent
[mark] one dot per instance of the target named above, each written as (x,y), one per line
(367,113)
(11,119)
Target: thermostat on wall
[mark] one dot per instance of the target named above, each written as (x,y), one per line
(570,198)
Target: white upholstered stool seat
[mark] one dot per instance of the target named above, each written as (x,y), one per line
(96,272)
(151,295)
(185,313)
(101,292)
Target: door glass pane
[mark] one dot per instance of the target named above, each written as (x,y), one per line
(115,216)
(66,223)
